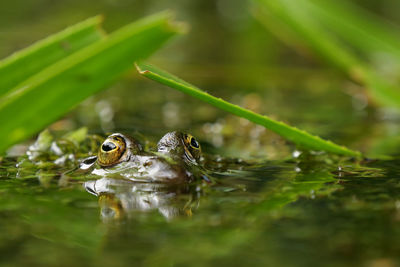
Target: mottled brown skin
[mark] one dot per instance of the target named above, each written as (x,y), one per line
(177,155)
(180,146)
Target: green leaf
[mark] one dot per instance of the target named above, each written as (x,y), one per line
(362,29)
(301,24)
(295,135)
(304,29)
(24,63)
(77,136)
(46,96)
(43,142)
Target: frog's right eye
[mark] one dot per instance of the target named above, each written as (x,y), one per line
(111,151)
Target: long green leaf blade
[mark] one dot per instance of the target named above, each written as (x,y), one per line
(364,30)
(27,62)
(307,30)
(49,94)
(295,135)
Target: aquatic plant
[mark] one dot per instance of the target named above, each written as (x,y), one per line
(79,61)
(67,68)
(354,42)
(299,137)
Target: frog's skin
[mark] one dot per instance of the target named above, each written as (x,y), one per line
(175,160)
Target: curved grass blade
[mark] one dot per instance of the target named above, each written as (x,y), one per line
(359,27)
(46,96)
(292,134)
(304,27)
(27,62)
(304,32)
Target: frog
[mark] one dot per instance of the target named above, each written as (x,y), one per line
(176,159)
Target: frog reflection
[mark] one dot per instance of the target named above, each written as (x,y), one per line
(176,160)
(119,198)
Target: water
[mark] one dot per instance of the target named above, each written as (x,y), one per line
(291,213)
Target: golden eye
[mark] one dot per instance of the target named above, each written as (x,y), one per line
(191,141)
(111,151)
(192,146)
(194,143)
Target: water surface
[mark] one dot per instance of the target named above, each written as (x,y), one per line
(291,213)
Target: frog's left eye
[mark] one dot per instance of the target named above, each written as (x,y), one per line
(111,151)
(191,141)
(194,143)
(192,146)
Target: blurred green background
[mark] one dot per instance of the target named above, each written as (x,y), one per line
(228,53)
(276,213)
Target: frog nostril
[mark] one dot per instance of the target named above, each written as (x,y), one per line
(108,146)
(89,160)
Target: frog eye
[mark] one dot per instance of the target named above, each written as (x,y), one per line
(192,146)
(111,151)
(191,141)
(109,146)
(194,143)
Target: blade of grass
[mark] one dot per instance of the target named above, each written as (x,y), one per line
(308,31)
(292,134)
(46,96)
(24,63)
(364,30)
(305,30)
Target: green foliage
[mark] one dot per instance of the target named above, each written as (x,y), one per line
(27,62)
(341,34)
(48,94)
(295,135)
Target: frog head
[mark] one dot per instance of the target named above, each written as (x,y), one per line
(180,146)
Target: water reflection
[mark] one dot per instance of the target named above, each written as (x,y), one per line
(120,199)
(261,187)
(272,213)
